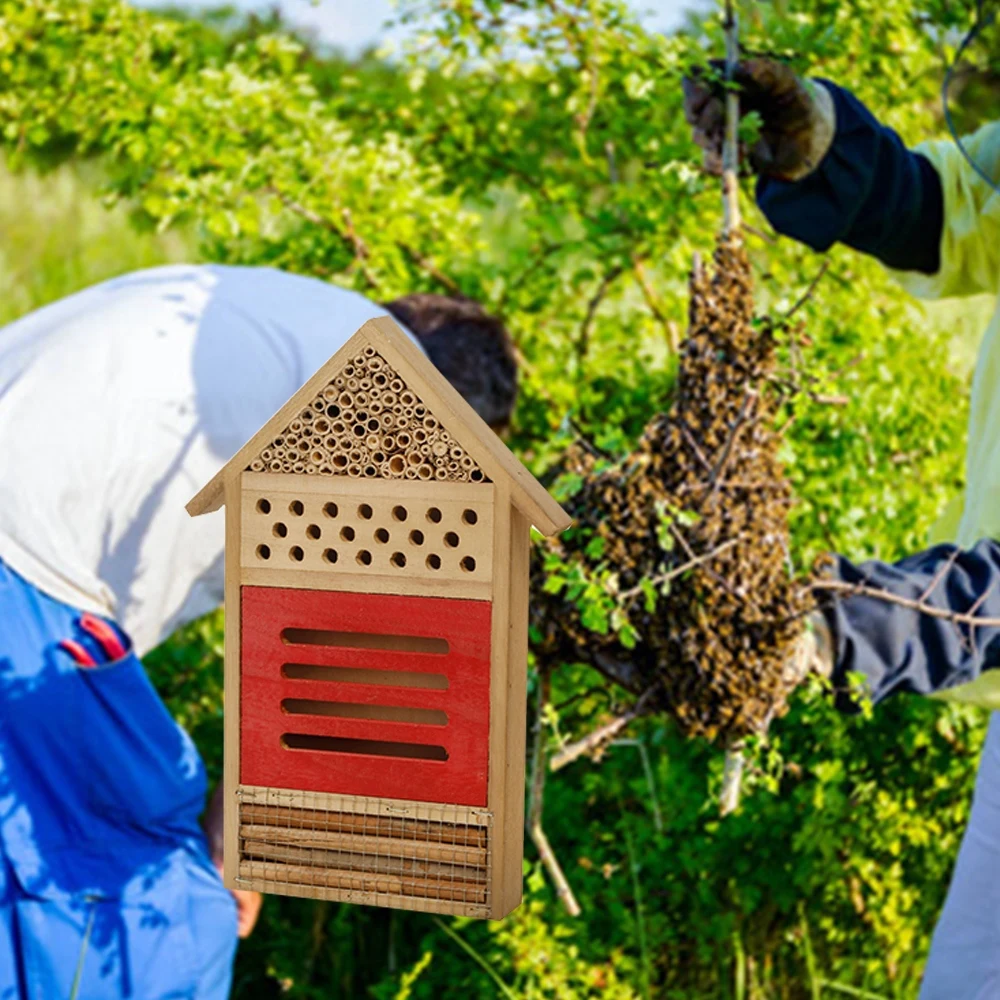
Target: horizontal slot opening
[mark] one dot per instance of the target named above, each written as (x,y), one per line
(363,675)
(375,748)
(351,710)
(364,640)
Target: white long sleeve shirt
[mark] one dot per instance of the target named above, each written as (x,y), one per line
(119,403)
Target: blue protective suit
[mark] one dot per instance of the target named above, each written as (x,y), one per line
(105,878)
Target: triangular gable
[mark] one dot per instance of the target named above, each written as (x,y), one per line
(367,422)
(446,420)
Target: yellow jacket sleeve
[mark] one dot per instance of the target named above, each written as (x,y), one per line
(970,239)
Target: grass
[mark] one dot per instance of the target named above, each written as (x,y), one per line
(57,237)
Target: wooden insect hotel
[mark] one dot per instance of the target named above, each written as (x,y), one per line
(377,537)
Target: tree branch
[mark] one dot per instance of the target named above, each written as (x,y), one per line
(863,590)
(601,736)
(348,234)
(683,568)
(583,338)
(429,267)
(536,800)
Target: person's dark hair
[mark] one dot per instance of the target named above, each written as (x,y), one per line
(471,348)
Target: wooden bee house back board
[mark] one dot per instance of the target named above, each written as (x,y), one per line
(377,541)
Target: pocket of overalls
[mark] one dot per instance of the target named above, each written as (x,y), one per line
(143,768)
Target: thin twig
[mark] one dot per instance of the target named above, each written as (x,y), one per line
(583,338)
(348,234)
(805,296)
(689,437)
(862,590)
(430,268)
(720,466)
(683,568)
(536,802)
(669,327)
(940,574)
(602,735)
(730,145)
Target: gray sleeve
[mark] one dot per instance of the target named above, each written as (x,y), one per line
(896,648)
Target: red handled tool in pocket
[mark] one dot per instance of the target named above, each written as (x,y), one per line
(103,634)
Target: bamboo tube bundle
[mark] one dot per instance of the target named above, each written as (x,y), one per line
(344,431)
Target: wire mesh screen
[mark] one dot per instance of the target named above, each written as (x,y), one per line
(355,849)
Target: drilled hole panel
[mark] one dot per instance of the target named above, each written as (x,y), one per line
(366,423)
(439,535)
(356,849)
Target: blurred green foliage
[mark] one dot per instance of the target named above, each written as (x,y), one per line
(532,154)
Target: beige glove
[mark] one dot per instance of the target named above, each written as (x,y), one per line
(813,654)
(798,120)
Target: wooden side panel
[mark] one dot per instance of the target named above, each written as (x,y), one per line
(231,683)
(511,816)
(309,724)
(498,678)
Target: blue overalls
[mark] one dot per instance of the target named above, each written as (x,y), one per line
(106,886)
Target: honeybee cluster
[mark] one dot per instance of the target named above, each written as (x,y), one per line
(703,489)
(368,423)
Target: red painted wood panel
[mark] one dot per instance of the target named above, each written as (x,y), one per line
(465,625)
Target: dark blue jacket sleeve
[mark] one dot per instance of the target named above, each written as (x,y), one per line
(897,648)
(869,192)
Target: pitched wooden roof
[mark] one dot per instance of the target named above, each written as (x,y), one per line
(440,397)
